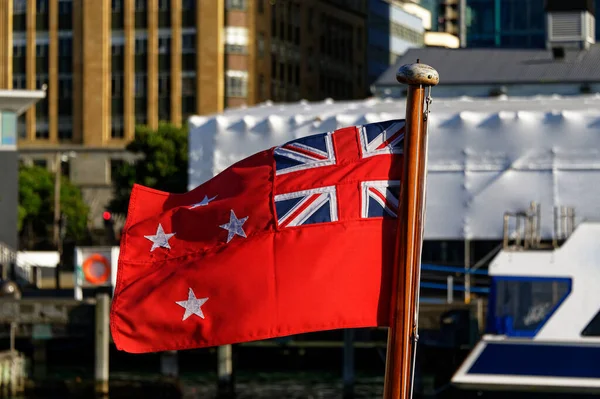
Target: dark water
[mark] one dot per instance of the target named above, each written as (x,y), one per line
(272,385)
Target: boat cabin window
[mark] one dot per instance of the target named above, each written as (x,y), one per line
(593,327)
(520,306)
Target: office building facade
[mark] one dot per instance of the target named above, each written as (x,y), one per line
(511,23)
(110,65)
(392,31)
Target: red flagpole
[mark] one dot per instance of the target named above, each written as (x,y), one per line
(402,333)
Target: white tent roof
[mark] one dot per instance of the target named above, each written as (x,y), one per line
(485,156)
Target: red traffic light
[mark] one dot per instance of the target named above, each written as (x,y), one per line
(106,215)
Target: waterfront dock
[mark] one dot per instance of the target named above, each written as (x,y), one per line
(40,321)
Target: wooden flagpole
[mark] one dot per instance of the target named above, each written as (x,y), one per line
(402,335)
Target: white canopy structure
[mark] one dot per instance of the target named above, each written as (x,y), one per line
(486,156)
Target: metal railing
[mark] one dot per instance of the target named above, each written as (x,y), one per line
(8,257)
(526,229)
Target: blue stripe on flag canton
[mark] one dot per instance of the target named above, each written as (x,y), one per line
(380,199)
(304,153)
(306,207)
(382,138)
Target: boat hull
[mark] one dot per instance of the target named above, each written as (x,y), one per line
(528,365)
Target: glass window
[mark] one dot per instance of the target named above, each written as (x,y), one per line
(19,6)
(164,5)
(164,45)
(236,83)
(42,6)
(141,44)
(188,42)
(8,128)
(140,85)
(65,7)
(523,305)
(235,4)
(236,39)
(65,86)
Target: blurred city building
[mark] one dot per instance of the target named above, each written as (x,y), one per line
(504,23)
(568,65)
(109,66)
(394,27)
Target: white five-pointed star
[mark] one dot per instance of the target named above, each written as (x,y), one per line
(193,305)
(160,239)
(234,226)
(204,202)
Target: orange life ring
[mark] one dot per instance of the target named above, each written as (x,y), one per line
(90,274)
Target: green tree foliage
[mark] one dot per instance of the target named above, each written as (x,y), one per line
(36,206)
(162,163)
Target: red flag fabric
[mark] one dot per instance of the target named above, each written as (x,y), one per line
(295,239)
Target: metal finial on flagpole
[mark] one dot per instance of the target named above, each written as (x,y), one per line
(418,74)
(403,332)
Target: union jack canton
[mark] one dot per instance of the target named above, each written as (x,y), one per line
(319,157)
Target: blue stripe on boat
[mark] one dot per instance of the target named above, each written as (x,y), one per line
(538,360)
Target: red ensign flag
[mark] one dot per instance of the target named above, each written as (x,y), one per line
(294,239)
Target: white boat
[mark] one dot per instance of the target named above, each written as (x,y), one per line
(543,321)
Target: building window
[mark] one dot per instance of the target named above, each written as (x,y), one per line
(188,43)
(140,85)
(117,86)
(65,133)
(19,50)
(236,4)
(164,45)
(164,85)
(41,133)
(188,84)
(141,44)
(19,81)
(116,48)
(236,83)
(236,40)
(41,50)
(116,5)
(40,81)
(65,7)
(117,131)
(164,5)
(41,6)
(65,86)
(65,15)
(141,18)
(140,5)
(188,16)
(19,7)
(65,46)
